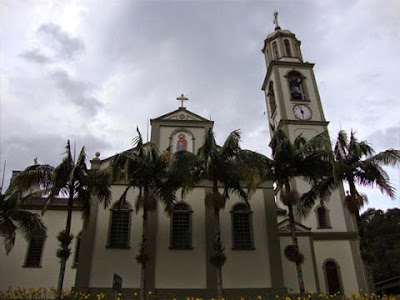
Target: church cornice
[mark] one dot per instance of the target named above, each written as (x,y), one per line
(298,65)
(303,122)
(184,110)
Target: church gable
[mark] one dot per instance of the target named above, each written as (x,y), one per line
(181,114)
(284,227)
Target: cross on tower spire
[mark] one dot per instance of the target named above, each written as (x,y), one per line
(276,21)
(182,98)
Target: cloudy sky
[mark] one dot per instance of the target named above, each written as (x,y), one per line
(91,71)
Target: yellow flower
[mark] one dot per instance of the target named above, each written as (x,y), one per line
(259,297)
(150,293)
(135,294)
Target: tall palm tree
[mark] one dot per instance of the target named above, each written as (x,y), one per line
(354,162)
(306,159)
(69,179)
(13,219)
(146,170)
(220,165)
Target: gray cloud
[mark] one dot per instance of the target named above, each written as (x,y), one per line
(385,138)
(49,149)
(142,54)
(36,56)
(75,91)
(62,43)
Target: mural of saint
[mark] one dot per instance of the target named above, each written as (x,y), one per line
(181,144)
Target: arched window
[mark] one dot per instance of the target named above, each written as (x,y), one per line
(242,228)
(77,249)
(332,276)
(275,50)
(296,86)
(181,227)
(35,251)
(322,217)
(287,47)
(271,95)
(120,225)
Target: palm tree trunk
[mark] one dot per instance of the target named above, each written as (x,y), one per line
(143,251)
(295,242)
(64,245)
(217,240)
(217,243)
(354,195)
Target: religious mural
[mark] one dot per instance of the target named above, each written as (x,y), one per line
(182,141)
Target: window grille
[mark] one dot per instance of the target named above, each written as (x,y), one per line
(181,233)
(242,227)
(120,222)
(35,250)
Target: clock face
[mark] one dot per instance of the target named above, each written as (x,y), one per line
(302,112)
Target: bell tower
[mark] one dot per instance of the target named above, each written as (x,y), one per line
(294,105)
(291,91)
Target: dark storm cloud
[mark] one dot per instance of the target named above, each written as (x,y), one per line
(36,56)
(62,43)
(76,92)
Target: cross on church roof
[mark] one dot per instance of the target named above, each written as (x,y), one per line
(276,21)
(182,98)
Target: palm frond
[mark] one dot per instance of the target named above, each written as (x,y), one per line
(390,157)
(231,145)
(29,224)
(35,176)
(341,145)
(372,174)
(99,183)
(320,191)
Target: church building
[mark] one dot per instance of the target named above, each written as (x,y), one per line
(180,245)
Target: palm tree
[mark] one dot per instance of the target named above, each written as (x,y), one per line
(220,165)
(13,219)
(354,162)
(143,168)
(307,159)
(69,179)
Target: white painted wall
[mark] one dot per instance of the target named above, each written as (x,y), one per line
(12,272)
(340,251)
(107,261)
(246,268)
(182,268)
(311,95)
(289,268)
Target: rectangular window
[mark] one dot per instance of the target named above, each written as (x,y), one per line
(78,249)
(275,50)
(35,250)
(181,235)
(242,235)
(119,232)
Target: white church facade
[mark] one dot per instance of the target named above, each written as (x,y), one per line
(180,245)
